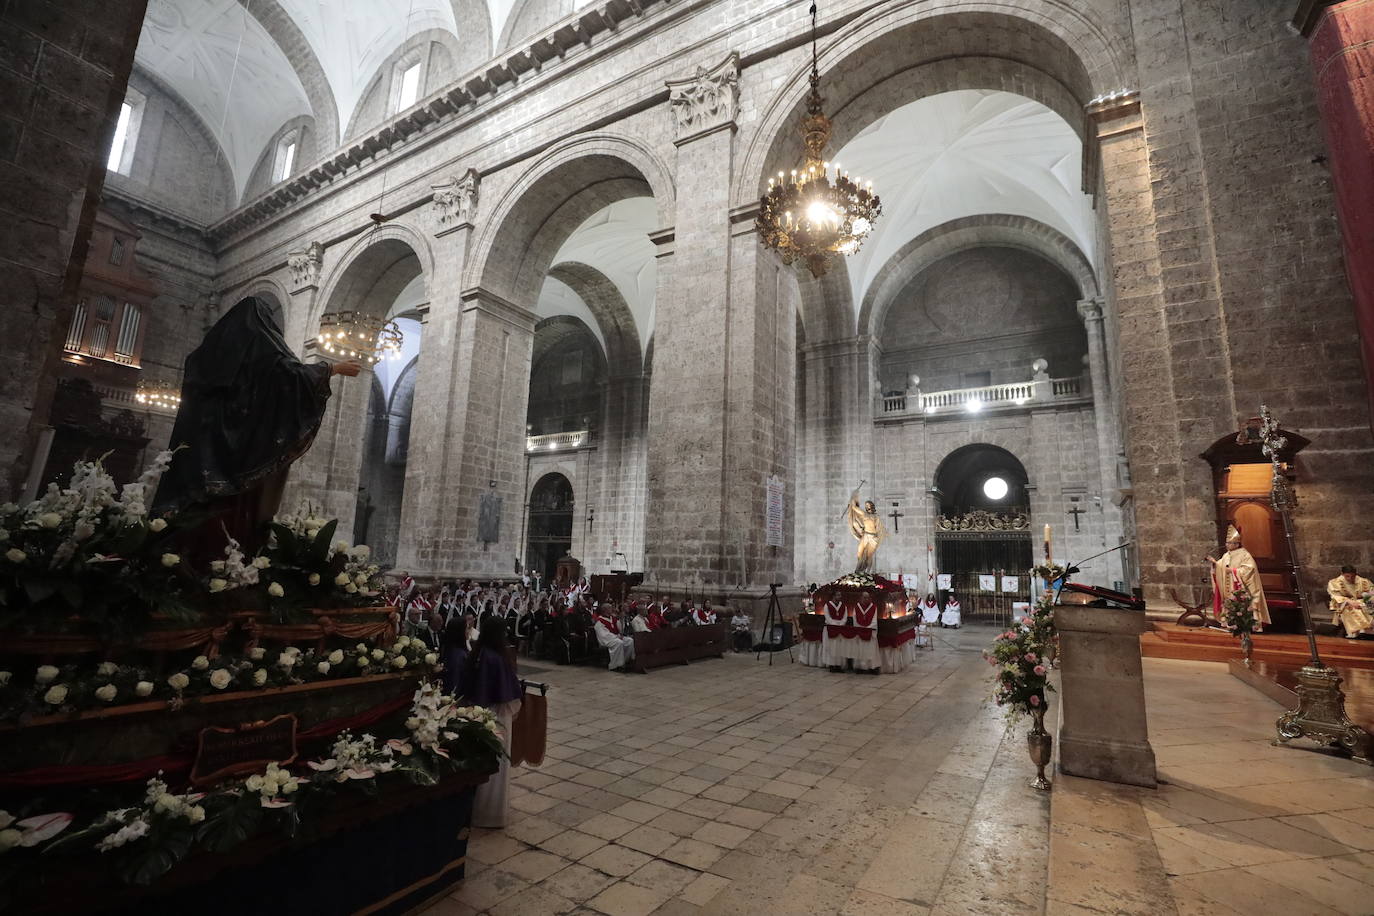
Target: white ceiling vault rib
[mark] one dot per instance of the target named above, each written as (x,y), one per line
(966,153)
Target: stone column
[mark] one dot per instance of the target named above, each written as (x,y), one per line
(719,409)
(467,428)
(1341,37)
(1104,419)
(65,77)
(1102,729)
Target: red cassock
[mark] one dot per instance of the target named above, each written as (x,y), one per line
(655,619)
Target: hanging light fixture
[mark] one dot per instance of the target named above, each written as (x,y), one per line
(158,394)
(816,211)
(354,335)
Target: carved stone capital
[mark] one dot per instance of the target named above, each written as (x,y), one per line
(1090,309)
(455,201)
(304,264)
(706,101)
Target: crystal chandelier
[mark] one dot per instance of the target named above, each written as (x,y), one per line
(158,394)
(810,215)
(353,335)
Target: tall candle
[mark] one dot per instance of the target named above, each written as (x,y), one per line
(1047,534)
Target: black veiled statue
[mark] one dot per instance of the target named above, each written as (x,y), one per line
(249,407)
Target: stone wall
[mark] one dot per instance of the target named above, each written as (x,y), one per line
(62,75)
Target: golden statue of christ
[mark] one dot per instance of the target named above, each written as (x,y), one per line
(867,527)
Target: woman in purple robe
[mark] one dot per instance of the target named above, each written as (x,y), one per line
(485,677)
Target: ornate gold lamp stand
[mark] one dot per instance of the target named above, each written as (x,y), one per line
(1320,715)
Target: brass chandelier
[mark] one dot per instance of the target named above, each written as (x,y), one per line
(354,335)
(158,393)
(809,215)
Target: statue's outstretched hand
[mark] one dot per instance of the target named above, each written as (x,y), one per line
(348,367)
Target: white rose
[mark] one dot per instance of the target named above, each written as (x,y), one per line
(351,588)
(106,693)
(106,669)
(217,566)
(170,559)
(292,651)
(15,555)
(56,695)
(195,814)
(200,663)
(362,648)
(340,579)
(10,838)
(275,590)
(431,658)
(158,524)
(254,783)
(360,579)
(313,578)
(363,661)
(5,678)
(220,678)
(143,688)
(289,787)
(402,642)
(257,653)
(218,585)
(260,677)
(378,654)
(262,562)
(322,667)
(179,681)
(398,662)
(336,657)
(49,520)
(45,674)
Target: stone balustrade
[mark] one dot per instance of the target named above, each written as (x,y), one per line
(557,442)
(956,401)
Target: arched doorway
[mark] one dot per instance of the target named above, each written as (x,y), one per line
(550,524)
(984,530)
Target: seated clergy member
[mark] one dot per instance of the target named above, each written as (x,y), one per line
(703,616)
(1347,593)
(607,629)
(638,622)
(953,615)
(930,610)
(655,617)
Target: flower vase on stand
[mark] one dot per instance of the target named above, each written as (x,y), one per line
(1247,645)
(1040,744)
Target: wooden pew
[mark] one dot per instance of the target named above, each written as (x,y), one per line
(680,645)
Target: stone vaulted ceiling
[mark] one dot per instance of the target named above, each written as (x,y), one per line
(966,153)
(240,79)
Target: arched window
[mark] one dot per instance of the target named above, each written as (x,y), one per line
(126,133)
(285,161)
(406,82)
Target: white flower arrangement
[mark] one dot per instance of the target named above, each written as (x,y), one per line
(273,786)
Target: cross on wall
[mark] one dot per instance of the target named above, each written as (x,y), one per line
(1076,512)
(895,515)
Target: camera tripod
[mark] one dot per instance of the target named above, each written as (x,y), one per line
(771,619)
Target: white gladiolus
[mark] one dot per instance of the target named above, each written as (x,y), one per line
(275,590)
(200,663)
(45,674)
(179,681)
(143,688)
(170,559)
(56,695)
(15,555)
(106,693)
(220,678)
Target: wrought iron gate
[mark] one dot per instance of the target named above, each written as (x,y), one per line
(981,544)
